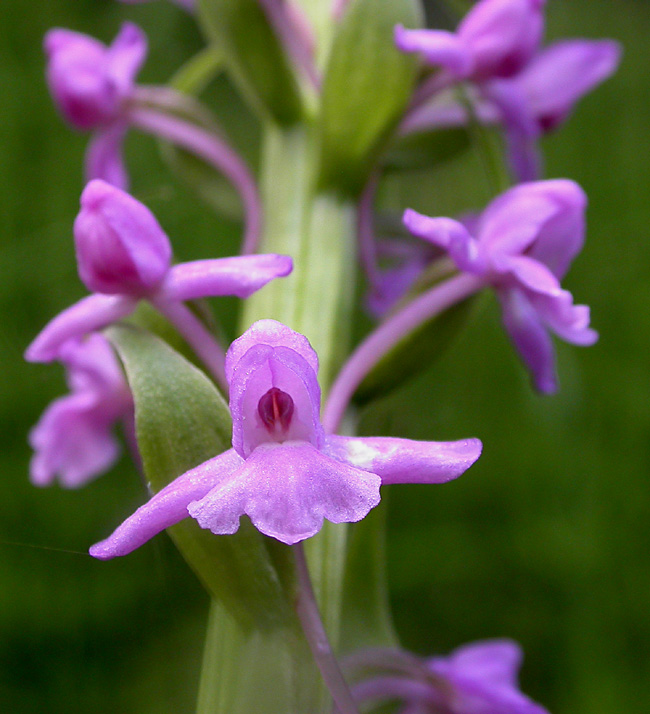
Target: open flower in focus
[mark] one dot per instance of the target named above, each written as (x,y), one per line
(73,439)
(283,471)
(522,246)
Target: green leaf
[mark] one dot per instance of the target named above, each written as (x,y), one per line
(426,149)
(366,609)
(254,56)
(181,421)
(195,75)
(367,86)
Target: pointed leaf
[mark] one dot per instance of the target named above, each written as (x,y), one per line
(254,56)
(367,86)
(181,421)
(426,149)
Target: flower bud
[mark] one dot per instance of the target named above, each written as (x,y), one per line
(88,80)
(121,248)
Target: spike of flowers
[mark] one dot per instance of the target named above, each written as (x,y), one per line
(474,679)
(124,256)
(522,245)
(284,471)
(73,438)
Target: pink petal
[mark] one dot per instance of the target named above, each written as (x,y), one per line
(73,440)
(439,48)
(167,507)
(88,315)
(120,245)
(406,461)
(273,333)
(530,338)
(563,234)
(125,56)
(449,235)
(563,73)
(502,35)
(532,275)
(496,661)
(240,276)
(543,213)
(287,490)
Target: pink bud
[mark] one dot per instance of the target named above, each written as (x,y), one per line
(88,80)
(121,248)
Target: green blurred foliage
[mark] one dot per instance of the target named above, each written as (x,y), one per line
(546,540)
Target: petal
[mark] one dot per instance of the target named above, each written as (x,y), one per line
(563,73)
(125,56)
(88,315)
(502,35)
(287,490)
(240,276)
(77,79)
(104,156)
(563,234)
(73,440)
(406,461)
(91,364)
(496,661)
(450,235)
(273,333)
(440,48)
(530,338)
(529,213)
(167,507)
(262,368)
(120,245)
(532,275)
(568,321)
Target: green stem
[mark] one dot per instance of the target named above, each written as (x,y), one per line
(318,231)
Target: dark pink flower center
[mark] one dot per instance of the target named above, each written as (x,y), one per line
(276,409)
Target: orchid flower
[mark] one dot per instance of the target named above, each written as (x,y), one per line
(474,679)
(527,89)
(73,437)
(124,256)
(522,246)
(283,470)
(495,39)
(91,84)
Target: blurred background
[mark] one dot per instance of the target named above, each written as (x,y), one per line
(546,540)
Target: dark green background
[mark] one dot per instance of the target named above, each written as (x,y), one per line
(546,540)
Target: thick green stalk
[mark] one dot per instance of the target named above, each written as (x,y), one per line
(317,230)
